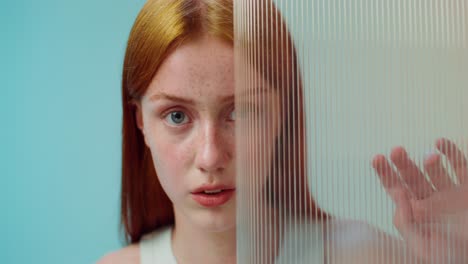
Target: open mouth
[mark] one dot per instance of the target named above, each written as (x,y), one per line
(211,198)
(213,191)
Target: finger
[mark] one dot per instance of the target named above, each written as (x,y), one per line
(403,213)
(411,174)
(437,173)
(455,157)
(387,175)
(414,235)
(403,221)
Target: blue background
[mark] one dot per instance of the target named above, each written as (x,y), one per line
(60,128)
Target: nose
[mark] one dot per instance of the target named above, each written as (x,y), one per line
(214,149)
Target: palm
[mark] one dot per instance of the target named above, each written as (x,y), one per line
(432,218)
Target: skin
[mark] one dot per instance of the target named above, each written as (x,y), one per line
(187,119)
(195,147)
(420,207)
(192,143)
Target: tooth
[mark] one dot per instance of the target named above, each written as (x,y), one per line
(213,191)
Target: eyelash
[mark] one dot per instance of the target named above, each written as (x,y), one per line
(167,115)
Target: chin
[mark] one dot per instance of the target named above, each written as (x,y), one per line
(216,219)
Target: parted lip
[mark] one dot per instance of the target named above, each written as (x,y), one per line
(210,187)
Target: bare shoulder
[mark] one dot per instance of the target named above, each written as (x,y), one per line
(127,255)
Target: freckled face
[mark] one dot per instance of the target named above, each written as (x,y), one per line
(187,118)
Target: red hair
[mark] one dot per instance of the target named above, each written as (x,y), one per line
(272,53)
(160,26)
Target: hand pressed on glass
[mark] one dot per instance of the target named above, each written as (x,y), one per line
(430,215)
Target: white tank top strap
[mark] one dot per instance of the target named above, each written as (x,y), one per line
(155,247)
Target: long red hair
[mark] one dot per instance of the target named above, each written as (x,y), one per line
(267,45)
(159,28)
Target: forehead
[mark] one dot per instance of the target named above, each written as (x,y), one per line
(200,67)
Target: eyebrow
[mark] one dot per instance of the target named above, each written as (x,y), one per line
(160,96)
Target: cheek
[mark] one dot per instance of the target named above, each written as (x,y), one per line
(172,163)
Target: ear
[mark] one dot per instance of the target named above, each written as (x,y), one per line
(139,116)
(139,120)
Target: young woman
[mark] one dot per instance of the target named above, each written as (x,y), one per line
(179,185)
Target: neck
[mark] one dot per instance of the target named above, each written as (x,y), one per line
(191,244)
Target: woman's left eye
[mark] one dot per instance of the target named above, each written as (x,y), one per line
(177,118)
(232,115)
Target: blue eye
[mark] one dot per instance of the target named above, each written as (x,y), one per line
(177,118)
